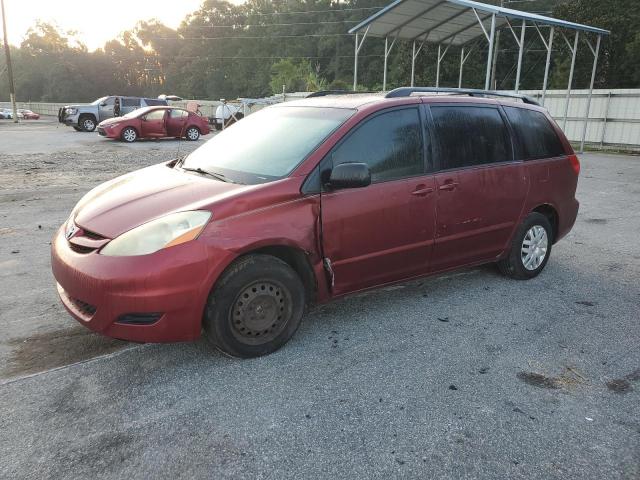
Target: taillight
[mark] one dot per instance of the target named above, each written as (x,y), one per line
(575,163)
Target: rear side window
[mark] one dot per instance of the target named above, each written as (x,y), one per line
(535,134)
(151,102)
(389,143)
(178,113)
(130,102)
(469,136)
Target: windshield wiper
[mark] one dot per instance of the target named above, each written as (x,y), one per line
(217,176)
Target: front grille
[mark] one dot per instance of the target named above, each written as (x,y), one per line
(85,308)
(102,132)
(80,248)
(92,235)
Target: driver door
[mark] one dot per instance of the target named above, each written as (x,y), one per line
(383,232)
(153,124)
(105,109)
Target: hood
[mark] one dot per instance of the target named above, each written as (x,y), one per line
(136,198)
(111,121)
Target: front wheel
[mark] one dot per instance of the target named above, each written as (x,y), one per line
(530,248)
(87,123)
(255,308)
(192,134)
(129,135)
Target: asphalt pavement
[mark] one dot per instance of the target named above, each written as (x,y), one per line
(466,375)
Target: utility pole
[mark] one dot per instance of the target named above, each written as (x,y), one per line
(7,54)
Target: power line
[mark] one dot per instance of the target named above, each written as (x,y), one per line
(334,10)
(274,24)
(310,35)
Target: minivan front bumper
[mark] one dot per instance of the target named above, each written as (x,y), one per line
(168,290)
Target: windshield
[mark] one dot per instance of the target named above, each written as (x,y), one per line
(99,101)
(267,145)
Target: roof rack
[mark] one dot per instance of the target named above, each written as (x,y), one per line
(407,91)
(324,93)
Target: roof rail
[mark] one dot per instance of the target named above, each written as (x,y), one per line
(324,93)
(407,91)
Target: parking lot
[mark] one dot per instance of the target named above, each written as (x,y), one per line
(465,375)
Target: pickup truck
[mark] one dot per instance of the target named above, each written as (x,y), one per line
(85,117)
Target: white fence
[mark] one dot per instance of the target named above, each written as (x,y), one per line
(614,117)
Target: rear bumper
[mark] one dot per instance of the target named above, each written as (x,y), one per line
(173,284)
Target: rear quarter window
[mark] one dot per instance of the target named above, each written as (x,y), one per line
(536,136)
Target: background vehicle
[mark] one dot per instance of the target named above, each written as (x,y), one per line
(228,114)
(307,201)
(85,117)
(155,122)
(28,114)
(6,114)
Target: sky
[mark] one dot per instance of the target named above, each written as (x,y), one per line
(95,21)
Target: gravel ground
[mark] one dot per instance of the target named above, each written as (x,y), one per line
(467,375)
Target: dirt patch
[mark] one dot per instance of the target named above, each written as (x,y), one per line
(619,386)
(623,385)
(538,380)
(49,350)
(568,379)
(597,221)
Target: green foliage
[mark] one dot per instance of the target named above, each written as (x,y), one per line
(224,50)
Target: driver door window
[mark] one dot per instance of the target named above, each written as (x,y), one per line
(389,143)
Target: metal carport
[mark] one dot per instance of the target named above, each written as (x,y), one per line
(460,23)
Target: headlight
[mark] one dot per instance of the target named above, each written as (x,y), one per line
(164,232)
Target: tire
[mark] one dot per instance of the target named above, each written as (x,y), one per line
(530,248)
(255,307)
(87,123)
(192,134)
(129,135)
(77,129)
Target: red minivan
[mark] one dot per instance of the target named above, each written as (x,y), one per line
(310,200)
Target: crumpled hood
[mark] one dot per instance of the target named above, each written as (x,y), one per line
(126,202)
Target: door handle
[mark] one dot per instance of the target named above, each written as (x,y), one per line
(448,186)
(422,191)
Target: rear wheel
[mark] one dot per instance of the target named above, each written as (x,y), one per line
(255,308)
(530,248)
(192,133)
(87,123)
(129,135)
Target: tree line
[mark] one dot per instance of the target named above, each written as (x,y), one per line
(224,50)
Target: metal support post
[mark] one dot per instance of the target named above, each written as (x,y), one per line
(387,51)
(604,120)
(573,64)
(463,59)
(487,80)
(355,60)
(520,52)
(548,45)
(438,67)
(595,52)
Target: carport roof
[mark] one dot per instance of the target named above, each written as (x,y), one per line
(449,21)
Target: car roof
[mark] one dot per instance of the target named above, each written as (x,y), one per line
(359,101)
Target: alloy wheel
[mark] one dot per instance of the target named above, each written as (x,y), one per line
(534,247)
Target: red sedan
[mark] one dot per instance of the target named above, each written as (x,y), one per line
(28,114)
(155,122)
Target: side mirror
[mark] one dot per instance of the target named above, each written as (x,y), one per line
(350,175)
(143,118)
(103,104)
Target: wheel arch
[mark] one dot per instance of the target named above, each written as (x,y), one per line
(551,213)
(84,115)
(298,260)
